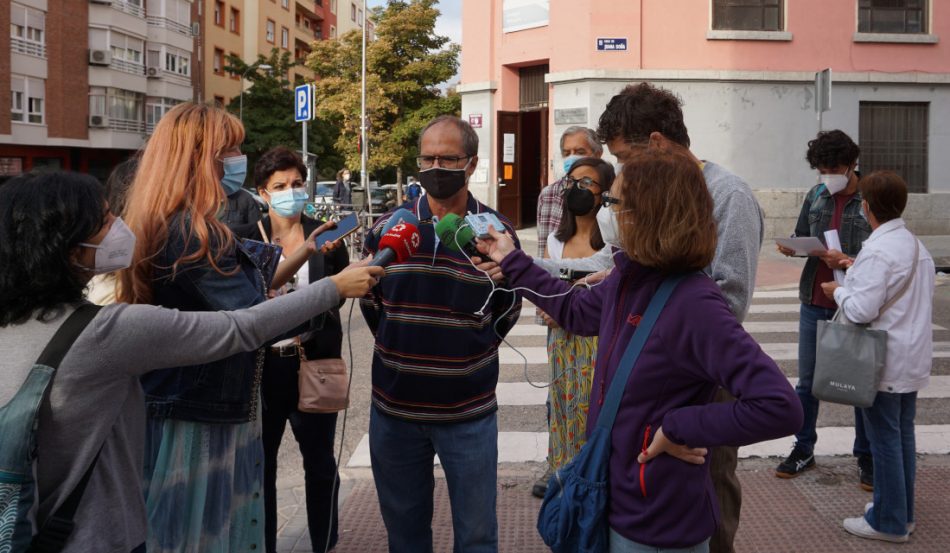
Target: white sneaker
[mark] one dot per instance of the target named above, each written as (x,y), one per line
(911,526)
(860,527)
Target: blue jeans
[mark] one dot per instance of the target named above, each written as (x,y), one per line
(890,425)
(807,347)
(620,544)
(402,453)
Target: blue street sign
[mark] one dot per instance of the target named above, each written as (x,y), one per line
(612,44)
(303,103)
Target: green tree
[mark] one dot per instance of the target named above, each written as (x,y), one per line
(269,118)
(405,65)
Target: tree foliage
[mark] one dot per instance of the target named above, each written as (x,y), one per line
(405,64)
(269,117)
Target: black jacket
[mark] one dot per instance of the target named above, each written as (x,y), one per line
(327,338)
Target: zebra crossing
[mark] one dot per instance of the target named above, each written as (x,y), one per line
(772,321)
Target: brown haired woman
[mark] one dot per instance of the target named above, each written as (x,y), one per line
(572,357)
(661,495)
(203,452)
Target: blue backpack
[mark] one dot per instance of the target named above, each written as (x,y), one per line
(19,419)
(573,517)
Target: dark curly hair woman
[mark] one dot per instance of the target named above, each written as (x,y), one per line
(56,232)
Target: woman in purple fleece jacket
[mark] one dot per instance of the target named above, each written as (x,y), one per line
(661,494)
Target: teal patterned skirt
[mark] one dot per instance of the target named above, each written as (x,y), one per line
(203,485)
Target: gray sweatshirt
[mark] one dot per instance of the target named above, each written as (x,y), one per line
(96,397)
(739,232)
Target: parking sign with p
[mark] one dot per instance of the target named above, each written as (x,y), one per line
(303,103)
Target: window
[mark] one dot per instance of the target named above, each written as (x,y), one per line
(155,108)
(27,31)
(285,4)
(27,99)
(177,61)
(219,13)
(747,15)
(234,23)
(126,48)
(235,76)
(218,62)
(269,31)
(892,16)
(893,136)
(284,37)
(179,11)
(333,7)
(533,90)
(353,12)
(359,16)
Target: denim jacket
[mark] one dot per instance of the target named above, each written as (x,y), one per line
(223,391)
(815,219)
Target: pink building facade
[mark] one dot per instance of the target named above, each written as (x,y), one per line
(745,71)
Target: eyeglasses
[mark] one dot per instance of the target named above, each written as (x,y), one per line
(446,162)
(607,200)
(583,183)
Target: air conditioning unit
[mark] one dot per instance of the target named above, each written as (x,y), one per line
(98,121)
(195,29)
(152,72)
(100,57)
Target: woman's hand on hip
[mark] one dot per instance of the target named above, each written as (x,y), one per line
(662,444)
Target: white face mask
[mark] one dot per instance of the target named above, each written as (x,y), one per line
(834,183)
(609,228)
(116,249)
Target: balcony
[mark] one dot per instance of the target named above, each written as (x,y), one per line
(127,67)
(311,9)
(165,23)
(28,47)
(126,7)
(309,34)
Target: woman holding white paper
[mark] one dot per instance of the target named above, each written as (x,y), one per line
(833,206)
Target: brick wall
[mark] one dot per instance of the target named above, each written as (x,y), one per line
(67,87)
(5,69)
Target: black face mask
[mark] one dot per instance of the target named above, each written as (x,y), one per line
(579,202)
(442,183)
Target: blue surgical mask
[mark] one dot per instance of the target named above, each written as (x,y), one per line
(288,203)
(568,161)
(235,170)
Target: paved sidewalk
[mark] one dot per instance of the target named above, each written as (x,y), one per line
(778,516)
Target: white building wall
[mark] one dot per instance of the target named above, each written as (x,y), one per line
(477,99)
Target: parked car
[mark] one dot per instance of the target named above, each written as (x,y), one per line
(323,191)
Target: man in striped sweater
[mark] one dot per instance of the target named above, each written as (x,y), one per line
(435,362)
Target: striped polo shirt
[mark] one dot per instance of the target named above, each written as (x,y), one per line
(436,358)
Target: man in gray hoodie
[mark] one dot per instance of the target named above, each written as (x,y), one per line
(644,116)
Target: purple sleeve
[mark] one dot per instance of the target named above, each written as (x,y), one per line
(577,311)
(714,347)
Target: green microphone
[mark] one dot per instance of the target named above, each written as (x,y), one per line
(455,238)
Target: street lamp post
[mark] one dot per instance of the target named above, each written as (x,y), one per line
(265,67)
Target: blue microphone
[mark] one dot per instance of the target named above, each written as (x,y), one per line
(401,215)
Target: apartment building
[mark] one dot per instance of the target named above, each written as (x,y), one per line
(89,79)
(351,18)
(744,69)
(248,28)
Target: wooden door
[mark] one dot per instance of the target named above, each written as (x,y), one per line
(509,177)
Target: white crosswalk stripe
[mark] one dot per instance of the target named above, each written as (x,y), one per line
(775,327)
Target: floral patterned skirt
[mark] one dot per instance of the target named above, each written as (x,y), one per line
(572,372)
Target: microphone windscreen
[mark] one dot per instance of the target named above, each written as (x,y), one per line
(403,239)
(446,228)
(401,215)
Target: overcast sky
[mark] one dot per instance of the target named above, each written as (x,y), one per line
(449,23)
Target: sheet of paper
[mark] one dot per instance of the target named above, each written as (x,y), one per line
(833,243)
(808,245)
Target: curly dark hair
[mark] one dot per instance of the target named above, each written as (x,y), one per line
(277,159)
(43,217)
(118,183)
(568,224)
(641,109)
(832,149)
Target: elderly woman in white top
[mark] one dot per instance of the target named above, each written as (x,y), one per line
(891,257)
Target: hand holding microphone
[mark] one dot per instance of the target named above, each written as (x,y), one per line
(397,245)
(498,246)
(356,280)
